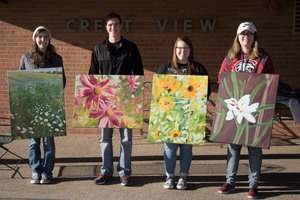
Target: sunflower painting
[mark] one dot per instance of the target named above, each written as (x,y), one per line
(108,101)
(245,109)
(178,109)
(36,99)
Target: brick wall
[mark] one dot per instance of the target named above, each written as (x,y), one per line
(20,18)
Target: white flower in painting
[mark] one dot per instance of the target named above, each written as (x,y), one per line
(241,109)
(232,104)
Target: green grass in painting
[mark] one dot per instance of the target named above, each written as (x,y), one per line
(36,104)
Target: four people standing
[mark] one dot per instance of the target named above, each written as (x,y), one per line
(119,56)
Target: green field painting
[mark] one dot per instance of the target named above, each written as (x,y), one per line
(36,101)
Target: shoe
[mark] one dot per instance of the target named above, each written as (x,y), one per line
(35,178)
(125,181)
(45,180)
(101,179)
(181,185)
(226,188)
(252,193)
(35,181)
(169,184)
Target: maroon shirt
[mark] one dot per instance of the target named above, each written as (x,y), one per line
(243,64)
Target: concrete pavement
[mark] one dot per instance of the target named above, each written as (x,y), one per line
(78,161)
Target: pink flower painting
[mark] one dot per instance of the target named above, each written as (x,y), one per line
(108,101)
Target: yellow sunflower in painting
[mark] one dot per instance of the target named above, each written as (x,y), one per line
(165,103)
(166,84)
(174,134)
(201,125)
(155,135)
(190,91)
(170,83)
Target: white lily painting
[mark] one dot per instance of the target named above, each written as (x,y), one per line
(245,108)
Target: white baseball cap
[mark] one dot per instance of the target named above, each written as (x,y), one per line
(39,28)
(246,26)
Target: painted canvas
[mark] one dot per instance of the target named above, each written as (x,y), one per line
(108,101)
(245,109)
(178,109)
(36,100)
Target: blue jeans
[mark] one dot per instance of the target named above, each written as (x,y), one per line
(255,161)
(124,165)
(38,167)
(170,158)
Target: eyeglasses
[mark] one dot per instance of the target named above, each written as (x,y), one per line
(183,48)
(248,34)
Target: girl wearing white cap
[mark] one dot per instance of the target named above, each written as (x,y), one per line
(245,56)
(42,55)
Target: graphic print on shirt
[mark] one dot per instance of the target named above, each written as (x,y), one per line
(242,66)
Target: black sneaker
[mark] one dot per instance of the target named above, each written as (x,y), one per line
(101,179)
(125,181)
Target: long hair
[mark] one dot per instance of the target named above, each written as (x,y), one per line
(37,55)
(174,64)
(236,50)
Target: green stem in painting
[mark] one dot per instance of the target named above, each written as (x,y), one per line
(242,83)
(257,88)
(239,131)
(235,86)
(215,134)
(262,133)
(227,88)
(247,134)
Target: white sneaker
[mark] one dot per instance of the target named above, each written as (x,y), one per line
(35,178)
(169,184)
(35,181)
(181,185)
(45,180)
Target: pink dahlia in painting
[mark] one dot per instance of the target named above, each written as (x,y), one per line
(133,82)
(137,106)
(95,90)
(108,115)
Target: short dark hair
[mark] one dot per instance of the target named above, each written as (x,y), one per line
(112,15)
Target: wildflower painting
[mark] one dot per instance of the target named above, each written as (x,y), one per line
(245,109)
(108,101)
(36,99)
(178,109)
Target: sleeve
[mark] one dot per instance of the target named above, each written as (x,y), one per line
(269,67)
(63,73)
(203,71)
(208,84)
(137,62)
(222,68)
(162,69)
(22,62)
(94,67)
